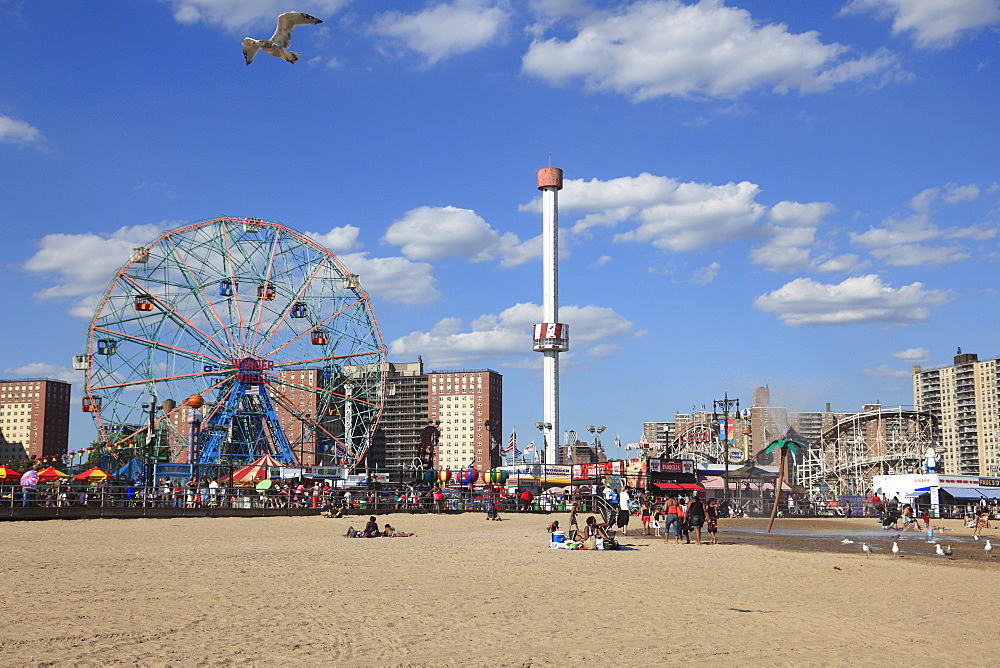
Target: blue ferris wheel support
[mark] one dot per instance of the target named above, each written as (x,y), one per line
(249,415)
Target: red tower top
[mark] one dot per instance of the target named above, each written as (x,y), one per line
(550,177)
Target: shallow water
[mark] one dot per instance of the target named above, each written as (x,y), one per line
(829,539)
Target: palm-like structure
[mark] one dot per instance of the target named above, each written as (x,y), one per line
(785,444)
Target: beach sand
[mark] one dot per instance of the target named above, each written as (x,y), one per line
(292,590)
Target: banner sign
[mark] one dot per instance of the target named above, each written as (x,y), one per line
(597,470)
(671,466)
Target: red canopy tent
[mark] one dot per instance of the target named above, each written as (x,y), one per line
(251,474)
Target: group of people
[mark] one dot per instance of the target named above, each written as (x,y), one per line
(372,530)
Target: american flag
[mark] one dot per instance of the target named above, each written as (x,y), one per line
(512,443)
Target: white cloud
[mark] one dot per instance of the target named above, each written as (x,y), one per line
(666,213)
(792,229)
(933,23)
(707,49)
(840,264)
(53,371)
(394,279)
(13,131)
(705,275)
(906,241)
(338,239)
(918,255)
(232,15)
(886,371)
(83,264)
(445,29)
(860,299)
(493,338)
(912,355)
(431,233)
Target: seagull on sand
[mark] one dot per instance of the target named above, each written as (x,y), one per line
(277,46)
(847,541)
(947,550)
(938,550)
(989,548)
(868,550)
(895,550)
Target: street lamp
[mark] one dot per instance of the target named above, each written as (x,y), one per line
(544,427)
(151,407)
(724,405)
(596,431)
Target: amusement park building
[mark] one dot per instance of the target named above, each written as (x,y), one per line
(34,417)
(965,399)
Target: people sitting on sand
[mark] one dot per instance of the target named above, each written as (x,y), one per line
(370,530)
(389,532)
(591,532)
(330,509)
(553,526)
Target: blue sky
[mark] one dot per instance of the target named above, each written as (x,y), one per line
(795,194)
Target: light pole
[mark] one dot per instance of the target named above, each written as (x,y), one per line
(724,405)
(491,425)
(544,427)
(151,407)
(596,431)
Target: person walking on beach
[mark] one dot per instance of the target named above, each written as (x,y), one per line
(644,515)
(674,518)
(696,517)
(624,510)
(438,496)
(712,515)
(574,527)
(29,483)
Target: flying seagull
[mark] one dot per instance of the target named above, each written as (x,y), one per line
(277,46)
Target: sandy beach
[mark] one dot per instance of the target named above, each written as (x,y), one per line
(292,590)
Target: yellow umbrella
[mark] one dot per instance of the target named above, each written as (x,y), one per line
(50,473)
(92,475)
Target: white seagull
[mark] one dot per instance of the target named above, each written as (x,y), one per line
(989,548)
(895,550)
(847,541)
(938,550)
(868,550)
(277,46)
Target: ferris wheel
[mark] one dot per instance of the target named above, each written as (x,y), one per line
(259,323)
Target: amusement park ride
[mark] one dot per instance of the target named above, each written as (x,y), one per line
(261,324)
